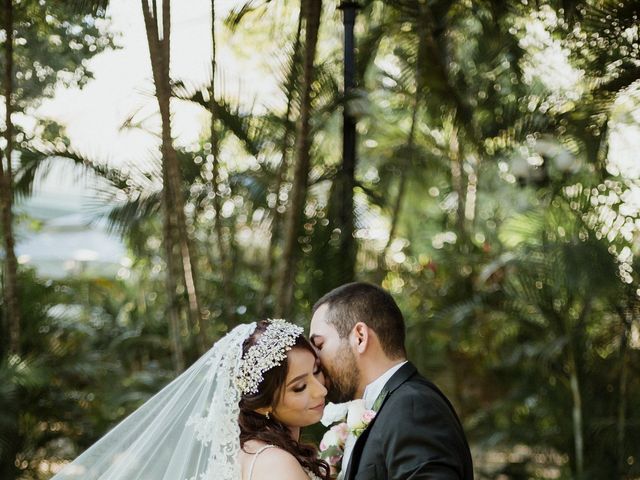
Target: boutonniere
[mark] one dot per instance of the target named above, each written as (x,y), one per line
(358,417)
(344,418)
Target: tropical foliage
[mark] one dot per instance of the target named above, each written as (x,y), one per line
(489,195)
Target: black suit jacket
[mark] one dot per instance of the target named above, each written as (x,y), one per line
(416,435)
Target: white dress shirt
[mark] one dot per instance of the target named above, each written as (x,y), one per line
(370,395)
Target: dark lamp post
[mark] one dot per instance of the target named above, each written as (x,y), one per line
(349,10)
(342,202)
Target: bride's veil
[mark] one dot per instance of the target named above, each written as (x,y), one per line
(188,431)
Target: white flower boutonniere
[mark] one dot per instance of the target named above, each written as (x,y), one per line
(358,417)
(349,418)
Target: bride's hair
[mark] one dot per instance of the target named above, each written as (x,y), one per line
(254,426)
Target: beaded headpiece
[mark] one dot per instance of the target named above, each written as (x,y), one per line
(268,352)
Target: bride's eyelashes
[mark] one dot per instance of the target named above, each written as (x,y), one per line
(299,389)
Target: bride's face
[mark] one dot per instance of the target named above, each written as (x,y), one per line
(301,400)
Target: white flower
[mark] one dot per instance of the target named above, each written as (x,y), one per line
(358,417)
(342,430)
(355,414)
(329,439)
(334,412)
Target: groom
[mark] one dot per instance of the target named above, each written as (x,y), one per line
(359,333)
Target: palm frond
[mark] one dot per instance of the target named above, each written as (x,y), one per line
(136,121)
(610,17)
(287,71)
(521,228)
(237,14)
(37,162)
(368,48)
(17,376)
(462,312)
(247,128)
(94,7)
(130,215)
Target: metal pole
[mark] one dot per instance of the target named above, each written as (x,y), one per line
(346,182)
(349,122)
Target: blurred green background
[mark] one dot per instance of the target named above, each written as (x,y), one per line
(496,195)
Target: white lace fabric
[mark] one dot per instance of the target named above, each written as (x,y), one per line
(188,431)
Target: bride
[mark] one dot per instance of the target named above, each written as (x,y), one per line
(235,414)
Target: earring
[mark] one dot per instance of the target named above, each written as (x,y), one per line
(267,415)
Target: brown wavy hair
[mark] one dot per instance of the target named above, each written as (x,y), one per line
(255,426)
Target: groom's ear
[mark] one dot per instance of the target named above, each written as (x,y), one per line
(362,336)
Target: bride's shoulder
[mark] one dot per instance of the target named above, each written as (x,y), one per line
(275,462)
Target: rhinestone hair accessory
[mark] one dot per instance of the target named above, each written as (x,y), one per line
(268,352)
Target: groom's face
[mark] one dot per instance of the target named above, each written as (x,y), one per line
(336,357)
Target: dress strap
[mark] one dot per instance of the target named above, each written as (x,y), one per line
(255,457)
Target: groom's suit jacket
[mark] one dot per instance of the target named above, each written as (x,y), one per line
(416,435)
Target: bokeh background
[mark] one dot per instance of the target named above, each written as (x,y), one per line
(165,178)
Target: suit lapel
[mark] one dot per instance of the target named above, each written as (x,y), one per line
(398,378)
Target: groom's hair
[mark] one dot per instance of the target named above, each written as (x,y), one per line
(363,302)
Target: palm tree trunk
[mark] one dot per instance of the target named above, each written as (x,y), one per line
(627,319)
(576,414)
(470,202)
(577,411)
(159,55)
(225,263)
(457,178)
(276,226)
(171,281)
(6,197)
(175,176)
(313,9)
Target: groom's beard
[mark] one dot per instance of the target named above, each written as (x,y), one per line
(344,376)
